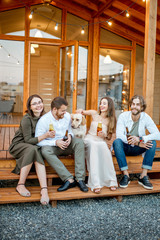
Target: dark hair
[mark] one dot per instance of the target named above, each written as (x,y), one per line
(28,105)
(111,116)
(142,102)
(57,102)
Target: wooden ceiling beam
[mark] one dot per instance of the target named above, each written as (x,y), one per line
(74,8)
(133,12)
(143,4)
(102,1)
(121,6)
(125,20)
(102,8)
(88,4)
(128,22)
(4,5)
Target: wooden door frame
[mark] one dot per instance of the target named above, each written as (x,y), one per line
(75,73)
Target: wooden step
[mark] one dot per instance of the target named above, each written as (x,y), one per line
(9,195)
(133,189)
(6,174)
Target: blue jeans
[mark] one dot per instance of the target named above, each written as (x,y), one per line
(122,150)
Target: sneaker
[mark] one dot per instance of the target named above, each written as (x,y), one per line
(145,182)
(124,181)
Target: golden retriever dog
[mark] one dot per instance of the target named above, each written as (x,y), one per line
(78,125)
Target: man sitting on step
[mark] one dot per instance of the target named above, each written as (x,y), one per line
(63,144)
(133,141)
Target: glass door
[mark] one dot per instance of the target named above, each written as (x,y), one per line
(44,72)
(68,74)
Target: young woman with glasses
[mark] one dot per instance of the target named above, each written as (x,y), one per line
(25,150)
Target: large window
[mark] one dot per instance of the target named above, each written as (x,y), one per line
(114,75)
(12,22)
(46,22)
(112,38)
(75,25)
(11,81)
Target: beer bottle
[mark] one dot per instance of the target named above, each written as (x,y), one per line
(65,138)
(51,128)
(128,133)
(99,127)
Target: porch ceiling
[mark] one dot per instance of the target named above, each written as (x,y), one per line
(132,27)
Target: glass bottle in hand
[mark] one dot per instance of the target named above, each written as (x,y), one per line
(128,133)
(99,127)
(65,138)
(51,128)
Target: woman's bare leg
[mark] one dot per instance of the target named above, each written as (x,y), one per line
(41,173)
(21,189)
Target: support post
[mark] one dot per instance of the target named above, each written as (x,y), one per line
(149,54)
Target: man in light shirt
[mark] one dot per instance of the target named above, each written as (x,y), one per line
(136,121)
(53,147)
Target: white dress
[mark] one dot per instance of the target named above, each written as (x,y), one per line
(99,159)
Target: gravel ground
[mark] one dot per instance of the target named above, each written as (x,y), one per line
(135,218)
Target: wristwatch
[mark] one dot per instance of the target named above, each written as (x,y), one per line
(140,139)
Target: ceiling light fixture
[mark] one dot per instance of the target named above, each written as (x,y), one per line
(32,50)
(107,59)
(35,45)
(38,34)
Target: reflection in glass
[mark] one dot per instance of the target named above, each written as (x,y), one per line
(66,76)
(46,22)
(114,77)
(11,81)
(44,72)
(12,22)
(112,38)
(82,77)
(77,28)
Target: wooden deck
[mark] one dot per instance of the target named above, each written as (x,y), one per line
(13,118)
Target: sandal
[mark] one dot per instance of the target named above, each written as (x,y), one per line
(113,188)
(23,194)
(97,190)
(44,200)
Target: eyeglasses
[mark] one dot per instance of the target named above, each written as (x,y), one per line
(36,103)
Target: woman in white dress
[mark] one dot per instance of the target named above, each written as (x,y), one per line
(99,159)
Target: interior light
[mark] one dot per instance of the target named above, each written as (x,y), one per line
(35,45)
(38,34)
(107,59)
(32,50)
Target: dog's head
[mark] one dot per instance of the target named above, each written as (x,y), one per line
(77,120)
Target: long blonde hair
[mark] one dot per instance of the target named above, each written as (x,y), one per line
(111,116)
